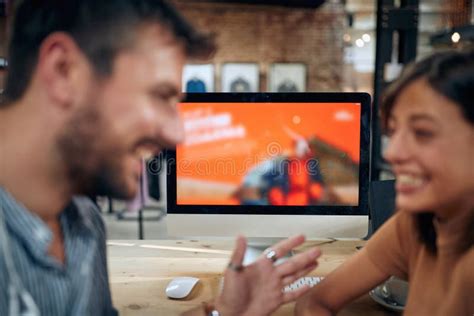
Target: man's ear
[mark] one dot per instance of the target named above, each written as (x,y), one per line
(62,68)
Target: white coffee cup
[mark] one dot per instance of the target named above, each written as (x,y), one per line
(396,289)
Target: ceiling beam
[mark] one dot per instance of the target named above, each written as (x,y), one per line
(313,4)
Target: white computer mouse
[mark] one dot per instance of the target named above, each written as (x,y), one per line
(181,287)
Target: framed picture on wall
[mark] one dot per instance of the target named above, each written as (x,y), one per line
(240,77)
(287,77)
(198,78)
(3,63)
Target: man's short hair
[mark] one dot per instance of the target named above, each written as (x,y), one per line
(101,29)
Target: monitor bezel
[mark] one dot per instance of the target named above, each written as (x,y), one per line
(362,98)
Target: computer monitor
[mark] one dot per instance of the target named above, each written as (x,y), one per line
(271,165)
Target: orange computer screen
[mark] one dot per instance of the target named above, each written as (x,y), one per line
(269,154)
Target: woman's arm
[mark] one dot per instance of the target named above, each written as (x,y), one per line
(386,253)
(353,278)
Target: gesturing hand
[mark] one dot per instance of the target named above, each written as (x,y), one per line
(256,289)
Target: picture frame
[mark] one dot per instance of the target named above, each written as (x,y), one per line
(198,78)
(3,63)
(287,77)
(240,77)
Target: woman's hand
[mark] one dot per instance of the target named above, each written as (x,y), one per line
(256,289)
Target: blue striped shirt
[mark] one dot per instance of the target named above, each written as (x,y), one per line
(80,286)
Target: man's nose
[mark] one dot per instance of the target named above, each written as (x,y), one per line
(172,131)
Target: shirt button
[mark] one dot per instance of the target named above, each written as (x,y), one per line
(41,234)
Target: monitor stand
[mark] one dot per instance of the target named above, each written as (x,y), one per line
(266,230)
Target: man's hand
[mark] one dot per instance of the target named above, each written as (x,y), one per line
(256,289)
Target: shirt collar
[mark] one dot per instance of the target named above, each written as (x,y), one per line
(26,226)
(76,216)
(33,233)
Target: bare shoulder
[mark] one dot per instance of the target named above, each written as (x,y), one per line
(461,282)
(466,264)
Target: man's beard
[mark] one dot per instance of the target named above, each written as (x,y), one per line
(92,166)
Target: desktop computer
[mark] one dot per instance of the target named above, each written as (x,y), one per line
(270,165)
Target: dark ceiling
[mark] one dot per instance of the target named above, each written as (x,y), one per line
(3,9)
(285,3)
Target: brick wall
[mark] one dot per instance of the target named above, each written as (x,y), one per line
(265,34)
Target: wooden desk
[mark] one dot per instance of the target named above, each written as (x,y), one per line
(140,270)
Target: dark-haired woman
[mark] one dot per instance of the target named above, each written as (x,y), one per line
(429,116)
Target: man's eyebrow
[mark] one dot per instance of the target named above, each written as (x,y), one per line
(168,90)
